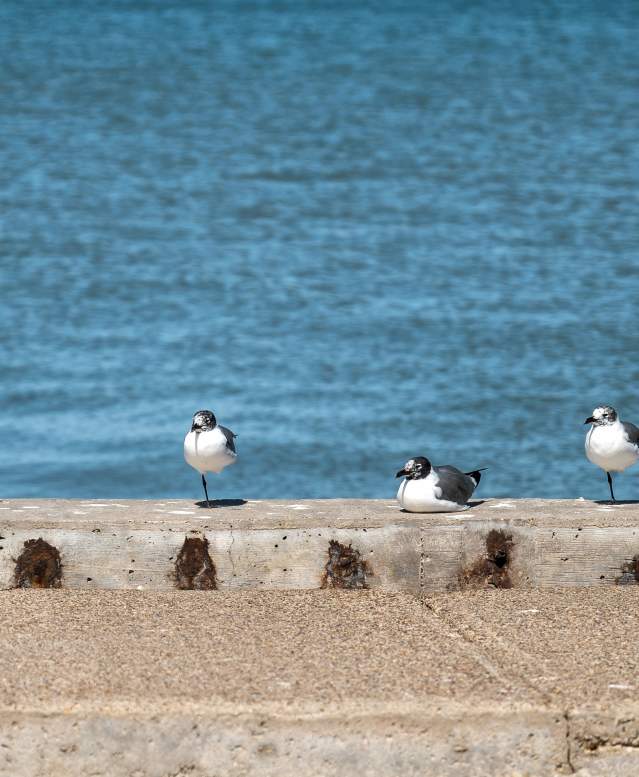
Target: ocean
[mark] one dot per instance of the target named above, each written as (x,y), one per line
(357,232)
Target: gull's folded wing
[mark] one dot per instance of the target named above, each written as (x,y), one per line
(455,486)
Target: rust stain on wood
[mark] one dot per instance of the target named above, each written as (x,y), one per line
(38,566)
(345,568)
(493,569)
(194,569)
(629,572)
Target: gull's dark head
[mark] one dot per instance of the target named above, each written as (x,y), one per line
(602,415)
(416,468)
(203,421)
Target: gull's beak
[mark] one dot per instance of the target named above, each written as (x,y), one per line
(401,474)
(590,420)
(195,428)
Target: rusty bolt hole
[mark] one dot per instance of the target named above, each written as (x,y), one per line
(194,569)
(629,572)
(38,566)
(492,570)
(345,568)
(501,558)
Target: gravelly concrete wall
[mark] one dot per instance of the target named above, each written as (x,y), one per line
(287,545)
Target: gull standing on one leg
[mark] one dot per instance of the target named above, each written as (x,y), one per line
(611,444)
(209,447)
(428,489)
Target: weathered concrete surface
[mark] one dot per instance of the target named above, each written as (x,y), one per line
(182,514)
(196,684)
(285,545)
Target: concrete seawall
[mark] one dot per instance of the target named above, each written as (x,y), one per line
(498,641)
(229,683)
(340,543)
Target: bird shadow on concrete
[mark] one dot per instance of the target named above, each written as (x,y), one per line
(618,502)
(476,503)
(221,503)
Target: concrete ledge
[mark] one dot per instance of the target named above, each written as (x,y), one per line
(387,741)
(316,543)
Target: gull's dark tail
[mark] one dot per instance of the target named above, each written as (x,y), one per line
(475,475)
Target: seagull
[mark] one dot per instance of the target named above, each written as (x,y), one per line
(209,447)
(611,444)
(428,489)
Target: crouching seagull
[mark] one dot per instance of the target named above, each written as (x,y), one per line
(611,444)
(428,489)
(209,447)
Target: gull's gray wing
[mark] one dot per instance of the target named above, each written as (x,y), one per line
(455,485)
(230,437)
(632,433)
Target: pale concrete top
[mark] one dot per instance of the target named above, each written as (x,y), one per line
(178,515)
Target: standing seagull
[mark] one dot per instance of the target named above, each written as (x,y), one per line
(428,489)
(611,444)
(209,447)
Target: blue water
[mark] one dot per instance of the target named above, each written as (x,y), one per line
(356,231)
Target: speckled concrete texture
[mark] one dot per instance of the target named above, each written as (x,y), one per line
(573,647)
(181,514)
(327,647)
(196,684)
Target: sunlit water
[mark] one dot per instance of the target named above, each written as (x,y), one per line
(356,233)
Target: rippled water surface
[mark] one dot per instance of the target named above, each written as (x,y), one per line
(356,231)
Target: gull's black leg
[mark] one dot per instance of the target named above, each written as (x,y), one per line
(208,504)
(610,484)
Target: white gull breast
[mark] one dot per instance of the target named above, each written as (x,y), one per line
(208,451)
